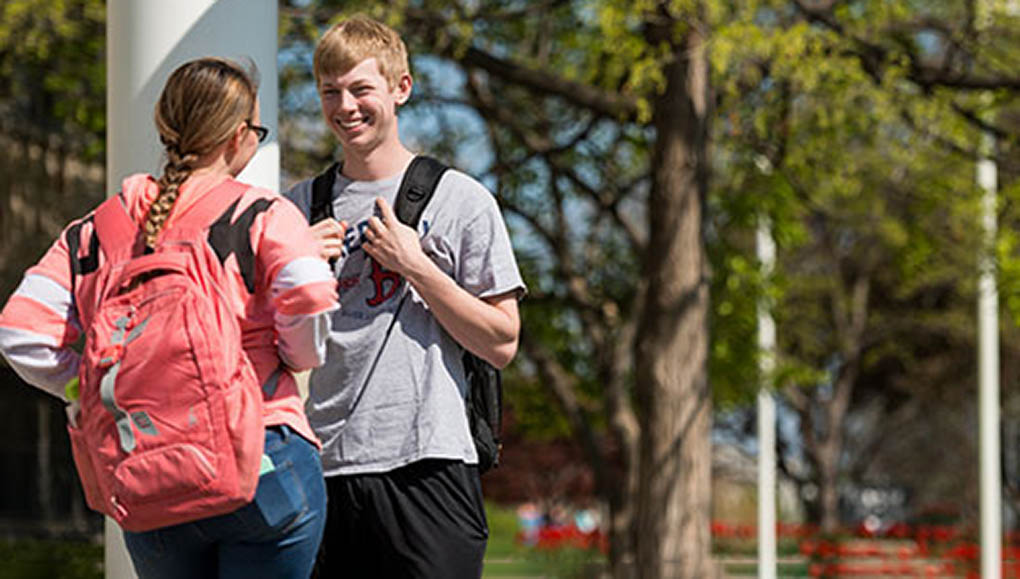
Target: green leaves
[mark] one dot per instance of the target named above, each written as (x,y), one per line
(52,66)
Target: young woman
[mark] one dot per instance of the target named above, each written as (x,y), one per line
(280,290)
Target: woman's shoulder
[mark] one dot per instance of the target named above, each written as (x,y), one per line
(255,192)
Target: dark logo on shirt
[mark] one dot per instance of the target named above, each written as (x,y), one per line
(386,284)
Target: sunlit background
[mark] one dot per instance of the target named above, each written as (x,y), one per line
(644,154)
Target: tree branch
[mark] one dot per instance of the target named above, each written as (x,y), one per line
(597,100)
(542,146)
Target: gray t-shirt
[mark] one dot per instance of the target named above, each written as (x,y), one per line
(412,405)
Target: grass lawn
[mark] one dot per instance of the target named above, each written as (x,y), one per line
(503,556)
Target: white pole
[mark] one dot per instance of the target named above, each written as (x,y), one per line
(766,249)
(146,41)
(989,457)
(988,373)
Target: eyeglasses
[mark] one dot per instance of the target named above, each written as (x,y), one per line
(260,131)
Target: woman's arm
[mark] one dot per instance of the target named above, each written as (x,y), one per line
(39,324)
(302,286)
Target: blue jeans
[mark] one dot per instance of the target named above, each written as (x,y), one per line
(276,536)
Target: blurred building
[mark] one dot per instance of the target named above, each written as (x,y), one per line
(735,488)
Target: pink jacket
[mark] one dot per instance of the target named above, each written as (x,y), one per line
(283,297)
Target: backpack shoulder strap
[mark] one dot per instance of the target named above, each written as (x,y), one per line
(113,226)
(417,187)
(322,194)
(82,264)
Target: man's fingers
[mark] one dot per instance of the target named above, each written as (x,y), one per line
(385,210)
(371,250)
(376,225)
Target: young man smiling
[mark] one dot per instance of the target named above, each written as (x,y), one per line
(401,468)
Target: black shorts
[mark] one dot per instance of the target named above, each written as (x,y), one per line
(423,520)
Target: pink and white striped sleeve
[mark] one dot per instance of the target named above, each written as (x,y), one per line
(303,289)
(39,323)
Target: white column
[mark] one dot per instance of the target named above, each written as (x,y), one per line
(988,373)
(146,41)
(766,249)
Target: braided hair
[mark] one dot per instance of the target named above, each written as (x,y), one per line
(201,105)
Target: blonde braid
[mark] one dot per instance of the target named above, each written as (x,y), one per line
(175,173)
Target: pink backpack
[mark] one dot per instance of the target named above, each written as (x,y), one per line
(171,423)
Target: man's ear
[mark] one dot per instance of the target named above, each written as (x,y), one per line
(403,89)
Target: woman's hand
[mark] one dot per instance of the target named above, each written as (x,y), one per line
(330,235)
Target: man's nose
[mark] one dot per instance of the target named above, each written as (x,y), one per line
(347,101)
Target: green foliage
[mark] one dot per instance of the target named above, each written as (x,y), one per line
(1008,254)
(30,559)
(52,123)
(808,137)
(53,71)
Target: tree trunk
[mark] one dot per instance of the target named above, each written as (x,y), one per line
(831,447)
(828,487)
(623,501)
(622,554)
(671,347)
(823,426)
(623,423)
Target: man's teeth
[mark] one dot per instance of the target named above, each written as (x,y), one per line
(351,124)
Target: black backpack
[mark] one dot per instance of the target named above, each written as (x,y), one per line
(484,401)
